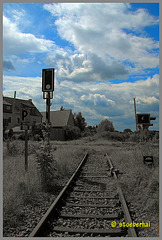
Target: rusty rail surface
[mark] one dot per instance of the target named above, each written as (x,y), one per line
(131,231)
(52,211)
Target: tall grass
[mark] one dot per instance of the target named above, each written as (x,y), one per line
(68,158)
(18,185)
(139,182)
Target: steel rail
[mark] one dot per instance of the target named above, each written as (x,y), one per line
(43,223)
(131,230)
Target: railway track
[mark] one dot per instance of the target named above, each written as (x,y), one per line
(88,204)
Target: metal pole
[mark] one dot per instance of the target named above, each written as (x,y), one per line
(135,112)
(48,114)
(26,150)
(48,108)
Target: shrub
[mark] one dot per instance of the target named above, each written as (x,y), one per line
(127,130)
(47,165)
(72,132)
(134,137)
(12,148)
(37,133)
(127,136)
(88,131)
(37,137)
(117,136)
(114,136)
(20,136)
(144,136)
(155,137)
(105,125)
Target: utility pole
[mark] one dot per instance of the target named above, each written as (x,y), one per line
(135,113)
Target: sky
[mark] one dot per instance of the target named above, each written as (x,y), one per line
(104,55)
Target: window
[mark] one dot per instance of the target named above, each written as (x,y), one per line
(8,108)
(32,111)
(18,120)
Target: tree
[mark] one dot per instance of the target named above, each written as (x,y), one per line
(105,125)
(61,108)
(79,121)
(127,130)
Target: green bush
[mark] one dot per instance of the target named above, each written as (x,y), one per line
(37,133)
(117,136)
(127,136)
(155,138)
(105,125)
(21,136)
(127,130)
(113,136)
(12,148)
(88,131)
(46,165)
(72,132)
(144,136)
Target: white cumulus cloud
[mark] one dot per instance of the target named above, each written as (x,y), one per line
(94,101)
(101,29)
(16,42)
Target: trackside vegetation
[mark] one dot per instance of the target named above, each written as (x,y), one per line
(27,195)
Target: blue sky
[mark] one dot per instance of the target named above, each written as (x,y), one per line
(104,55)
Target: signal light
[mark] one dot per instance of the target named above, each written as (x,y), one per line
(143,118)
(48,80)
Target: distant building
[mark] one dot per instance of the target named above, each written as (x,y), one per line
(12,108)
(59,119)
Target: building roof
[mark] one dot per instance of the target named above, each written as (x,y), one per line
(21,103)
(58,118)
(6,103)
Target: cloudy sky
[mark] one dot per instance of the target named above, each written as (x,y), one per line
(104,55)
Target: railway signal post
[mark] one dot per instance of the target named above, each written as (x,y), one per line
(47,89)
(143,120)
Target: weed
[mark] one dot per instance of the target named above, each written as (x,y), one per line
(12,148)
(46,164)
(68,159)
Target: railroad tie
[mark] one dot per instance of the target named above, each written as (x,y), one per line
(110,232)
(87,205)
(108,216)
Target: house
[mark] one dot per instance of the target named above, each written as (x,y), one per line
(12,110)
(59,119)
(7,113)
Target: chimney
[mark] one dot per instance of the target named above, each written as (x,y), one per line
(30,100)
(14,94)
